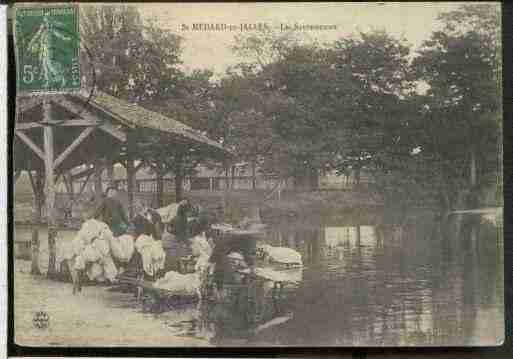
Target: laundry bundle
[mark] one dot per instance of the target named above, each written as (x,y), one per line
(152,253)
(89,230)
(122,247)
(90,250)
(187,285)
(97,253)
(280,255)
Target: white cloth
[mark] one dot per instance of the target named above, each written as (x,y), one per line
(180,284)
(98,255)
(281,254)
(95,272)
(91,246)
(91,229)
(152,253)
(122,247)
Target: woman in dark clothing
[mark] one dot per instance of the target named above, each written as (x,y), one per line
(245,245)
(111,212)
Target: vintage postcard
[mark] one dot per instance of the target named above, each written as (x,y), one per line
(257,174)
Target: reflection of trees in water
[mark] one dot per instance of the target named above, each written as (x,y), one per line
(419,283)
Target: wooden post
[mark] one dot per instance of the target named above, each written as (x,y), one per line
(36,219)
(473,168)
(253,175)
(358,235)
(110,174)
(211,184)
(98,190)
(160,186)
(68,181)
(179,178)
(233,178)
(16,176)
(130,177)
(50,189)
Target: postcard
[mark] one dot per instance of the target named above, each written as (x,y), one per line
(257,175)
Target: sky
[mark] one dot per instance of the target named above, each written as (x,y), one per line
(211,49)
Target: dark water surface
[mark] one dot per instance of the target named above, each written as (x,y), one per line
(370,284)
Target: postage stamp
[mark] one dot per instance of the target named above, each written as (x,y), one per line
(47,48)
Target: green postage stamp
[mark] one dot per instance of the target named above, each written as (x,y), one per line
(47,41)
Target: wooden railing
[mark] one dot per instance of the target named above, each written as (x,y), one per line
(221,183)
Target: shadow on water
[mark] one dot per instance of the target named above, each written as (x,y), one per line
(418,281)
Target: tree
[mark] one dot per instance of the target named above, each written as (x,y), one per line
(132,60)
(461,110)
(373,86)
(329,107)
(139,62)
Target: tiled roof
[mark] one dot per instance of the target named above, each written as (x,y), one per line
(133,115)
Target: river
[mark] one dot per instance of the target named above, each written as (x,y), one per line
(372,281)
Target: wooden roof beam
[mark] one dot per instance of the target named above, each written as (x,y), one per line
(113,131)
(27,125)
(67,123)
(86,115)
(83,135)
(82,174)
(31,144)
(81,122)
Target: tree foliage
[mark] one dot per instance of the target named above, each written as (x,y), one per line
(460,114)
(296,108)
(133,60)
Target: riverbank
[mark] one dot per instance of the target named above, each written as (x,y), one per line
(95,317)
(236,204)
(291,205)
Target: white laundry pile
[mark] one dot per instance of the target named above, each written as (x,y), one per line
(152,253)
(122,247)
(280,255)
(91,246)
(187,285)
(201,250)
(90,229)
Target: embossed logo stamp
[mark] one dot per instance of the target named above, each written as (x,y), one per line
(41,320)
(47,44)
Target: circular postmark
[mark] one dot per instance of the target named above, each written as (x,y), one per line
(41,320)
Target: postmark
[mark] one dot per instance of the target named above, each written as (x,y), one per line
(47,41)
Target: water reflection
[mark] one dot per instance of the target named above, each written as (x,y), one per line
(375,284)
(425,280)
